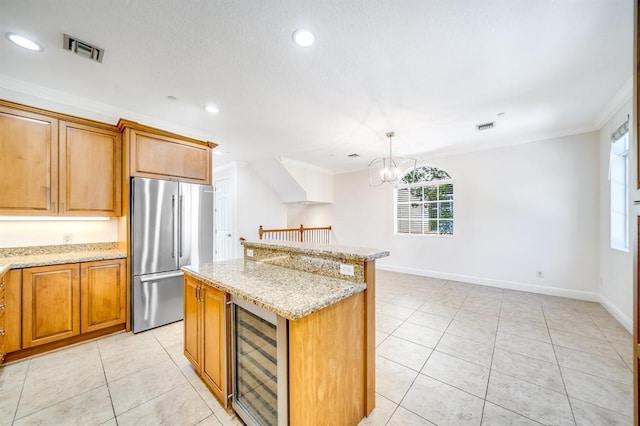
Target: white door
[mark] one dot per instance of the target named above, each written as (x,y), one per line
(224,216)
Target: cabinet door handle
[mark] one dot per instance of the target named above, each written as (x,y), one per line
(53,207)
(61,207)
(1,331)
(2,284)
(198,293)
(2,306)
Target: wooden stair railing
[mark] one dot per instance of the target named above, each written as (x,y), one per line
(319,235)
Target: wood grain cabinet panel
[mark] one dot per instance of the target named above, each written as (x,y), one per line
(3,306)
(29,162)
(90,180)
(164,157)
(205,334)
(103,294)
(13,310)
(192,313)
(50,304)
(213,340)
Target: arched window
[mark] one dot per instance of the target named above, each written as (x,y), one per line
(424,202)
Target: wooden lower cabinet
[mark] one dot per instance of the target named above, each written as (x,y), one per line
(3,305)
(205,334)
(13,310)
(192,321)
(103,294)
(64,301)
(50,304)
(213,342)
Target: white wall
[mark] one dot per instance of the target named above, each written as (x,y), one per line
(317,183)
(44,233)
(255,203)
(518,210)
(616,267)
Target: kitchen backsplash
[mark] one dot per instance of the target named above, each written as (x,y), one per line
(66,248)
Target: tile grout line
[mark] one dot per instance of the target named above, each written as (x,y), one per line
(106,381)
(553,347)
(427,360)
(15,413)
(188,381)
(495,341)
(407,391)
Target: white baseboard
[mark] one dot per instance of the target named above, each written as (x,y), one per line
(617,314)
(511,285)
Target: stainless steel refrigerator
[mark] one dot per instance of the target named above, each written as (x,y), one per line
(171,226)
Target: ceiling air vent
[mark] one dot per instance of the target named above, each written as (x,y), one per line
(486,126)
(354,155)
(83,48)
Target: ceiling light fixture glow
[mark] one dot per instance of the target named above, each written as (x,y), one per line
(24,42)
(388,169)
(211,109)
(303,38)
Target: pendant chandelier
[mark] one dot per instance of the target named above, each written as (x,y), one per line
(388,169)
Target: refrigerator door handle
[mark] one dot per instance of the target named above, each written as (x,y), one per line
(173,226)
(180,219)
(162,276)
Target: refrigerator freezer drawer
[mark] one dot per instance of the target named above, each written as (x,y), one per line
(157,300)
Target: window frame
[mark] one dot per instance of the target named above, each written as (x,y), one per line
(622,158)
(424,184)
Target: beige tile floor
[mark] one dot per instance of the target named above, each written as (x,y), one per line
(448,353)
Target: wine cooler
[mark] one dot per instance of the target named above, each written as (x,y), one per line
(259,354)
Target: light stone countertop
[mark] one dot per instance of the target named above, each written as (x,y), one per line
(327,250)
(289,293)
(45,259)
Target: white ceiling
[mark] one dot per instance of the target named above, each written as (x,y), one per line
(429,70)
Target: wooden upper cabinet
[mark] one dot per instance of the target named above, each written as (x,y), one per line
(28,162)
(90,180)
(55,164)
(154,153)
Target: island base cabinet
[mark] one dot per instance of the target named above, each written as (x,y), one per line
(50,304)
(103,294)
(205,334)
(327,365)
(192,322)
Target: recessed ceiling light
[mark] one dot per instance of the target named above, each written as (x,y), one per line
(211,109)
(303,38)
(172,98)
(23,42)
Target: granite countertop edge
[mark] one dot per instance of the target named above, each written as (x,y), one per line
(28,261)
(335,251)
(292,314)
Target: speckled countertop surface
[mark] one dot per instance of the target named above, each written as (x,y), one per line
(339,252)
(289,293)
(26,257)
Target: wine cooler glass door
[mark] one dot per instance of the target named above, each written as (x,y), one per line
(255,390)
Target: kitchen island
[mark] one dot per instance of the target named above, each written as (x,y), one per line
(323,320)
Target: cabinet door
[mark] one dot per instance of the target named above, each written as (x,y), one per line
(29,163)
(12,317)
(3,306)
(103,294)
(90,171)
(50,304)
(214,348)
(192,306)
(161,157)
